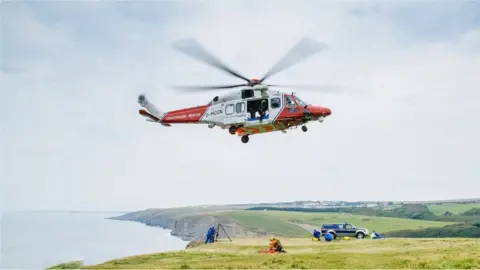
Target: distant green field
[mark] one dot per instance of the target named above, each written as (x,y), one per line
(279,222)
(454,208)
(271,223)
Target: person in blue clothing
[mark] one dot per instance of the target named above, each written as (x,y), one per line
(210,235)
(316,234)
(376,235)
(328,237)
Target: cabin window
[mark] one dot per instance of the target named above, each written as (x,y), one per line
(275,103)
(240,107)
(289,101)
(229,109)
(248,93)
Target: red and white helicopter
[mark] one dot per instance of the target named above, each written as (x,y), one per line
(254,109)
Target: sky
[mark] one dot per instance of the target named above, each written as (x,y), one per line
(72,138)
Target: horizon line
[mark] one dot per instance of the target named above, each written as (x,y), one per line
(238,204)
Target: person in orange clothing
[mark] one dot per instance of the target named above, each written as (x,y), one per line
(275,245)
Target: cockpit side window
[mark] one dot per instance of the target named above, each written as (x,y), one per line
(300,102)
(289,102)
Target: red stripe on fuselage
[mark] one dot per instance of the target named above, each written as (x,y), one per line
(187,115)
(289,113)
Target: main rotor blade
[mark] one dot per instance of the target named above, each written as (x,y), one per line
(307,86)
(304,48)
(321,88)
(191,47)
(205,88)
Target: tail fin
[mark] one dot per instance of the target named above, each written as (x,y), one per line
(150,117)
(145,103)
(153,114)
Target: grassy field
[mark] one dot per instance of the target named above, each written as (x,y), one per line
(454,208)
(302,253)
(284,223)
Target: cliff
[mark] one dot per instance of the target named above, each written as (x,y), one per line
(190,223)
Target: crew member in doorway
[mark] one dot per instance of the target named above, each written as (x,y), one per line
(253,113)
(262,109)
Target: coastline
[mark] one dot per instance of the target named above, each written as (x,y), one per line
(164,223)
(190,223)
(186,237)
(59,236)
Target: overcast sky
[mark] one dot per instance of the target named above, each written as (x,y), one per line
(72,137)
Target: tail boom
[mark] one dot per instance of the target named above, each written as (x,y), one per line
(191,115)
(181,116)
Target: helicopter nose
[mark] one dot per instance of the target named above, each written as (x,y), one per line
(327,111)
(320,111)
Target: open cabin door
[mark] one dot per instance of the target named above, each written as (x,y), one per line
(235,113)
(271,106)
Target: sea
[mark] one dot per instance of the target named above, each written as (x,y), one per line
(37,240)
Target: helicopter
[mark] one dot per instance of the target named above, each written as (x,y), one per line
(255,108)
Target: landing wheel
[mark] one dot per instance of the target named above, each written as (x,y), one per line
(232,130)
(245,139)
(304,128)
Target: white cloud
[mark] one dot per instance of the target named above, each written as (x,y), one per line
(73,137)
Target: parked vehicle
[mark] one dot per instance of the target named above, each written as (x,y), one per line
(345,229)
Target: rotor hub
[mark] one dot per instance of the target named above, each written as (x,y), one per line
(254,82)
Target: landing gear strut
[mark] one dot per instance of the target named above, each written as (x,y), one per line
(245,139)
(304,128)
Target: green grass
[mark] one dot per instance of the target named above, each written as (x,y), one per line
(454,208)
(69,265)
(279,222)
(303,254)
(263,223)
